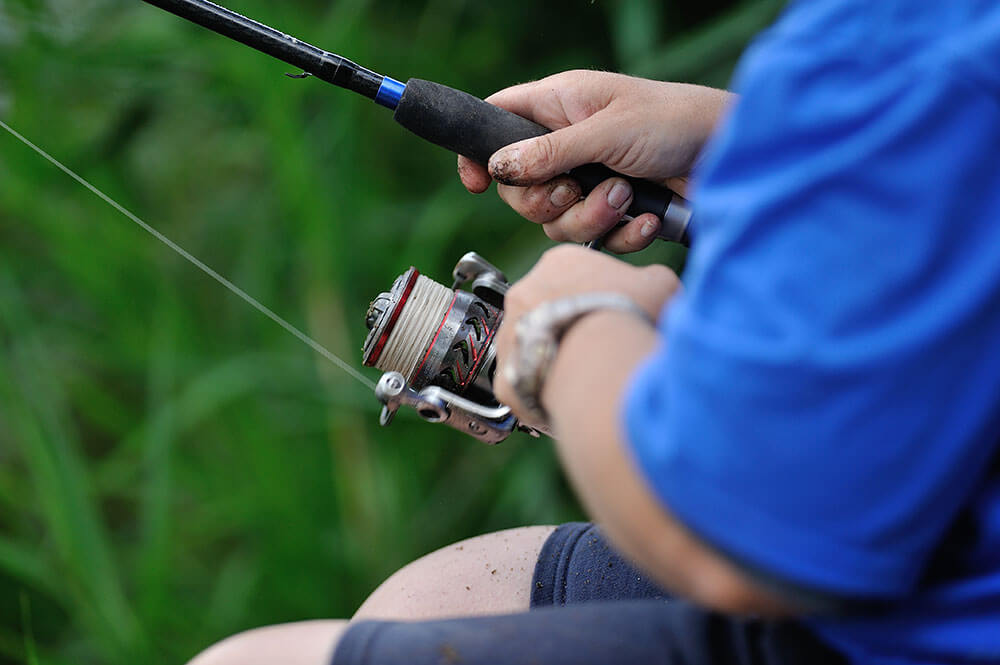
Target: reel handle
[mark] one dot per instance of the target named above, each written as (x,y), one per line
(476,129)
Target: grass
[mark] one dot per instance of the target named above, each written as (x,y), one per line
(173,466)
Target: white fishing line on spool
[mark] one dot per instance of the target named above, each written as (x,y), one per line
(414,331)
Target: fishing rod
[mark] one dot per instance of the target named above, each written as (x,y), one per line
(450,118)
(434,344)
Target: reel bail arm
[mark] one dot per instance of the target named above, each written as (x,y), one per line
(436,405)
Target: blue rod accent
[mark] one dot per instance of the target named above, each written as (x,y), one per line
(389,93)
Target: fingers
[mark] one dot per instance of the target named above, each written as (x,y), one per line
(502,387)
(635,235)
(557,205)
(537,160)
(595,215)
(577,221)
(474,176)
(542,203)
(658,285)
(561,99)
(527,100)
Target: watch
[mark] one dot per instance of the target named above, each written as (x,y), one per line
(537,335)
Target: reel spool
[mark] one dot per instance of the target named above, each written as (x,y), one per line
(435,346)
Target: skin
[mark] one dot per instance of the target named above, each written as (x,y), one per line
(582,395)
(640,128)
(489,574)
(302,643)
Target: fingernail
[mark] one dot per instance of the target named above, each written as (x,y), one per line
(619,195)
(506,166)
(648,229)
(562,196)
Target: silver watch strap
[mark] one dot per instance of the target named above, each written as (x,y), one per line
(537,336)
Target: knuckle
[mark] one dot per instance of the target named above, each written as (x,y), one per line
(661,275)
(535,203)
(545,151)
(529,202)
(592,227)
(570,76)
(598,225)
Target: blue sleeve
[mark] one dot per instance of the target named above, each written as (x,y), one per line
(828,389)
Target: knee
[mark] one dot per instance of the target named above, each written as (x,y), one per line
(303,643)
(489,574)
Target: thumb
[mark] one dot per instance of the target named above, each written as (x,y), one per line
(540,159)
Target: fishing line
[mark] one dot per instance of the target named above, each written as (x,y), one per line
(304,338)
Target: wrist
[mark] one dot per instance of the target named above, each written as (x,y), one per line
(595,361)
(539,333)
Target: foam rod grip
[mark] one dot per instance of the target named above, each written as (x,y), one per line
(467,125)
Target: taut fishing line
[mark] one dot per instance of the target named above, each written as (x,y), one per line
(306,339)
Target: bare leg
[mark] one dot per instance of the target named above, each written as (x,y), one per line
(488,574)
(303,643)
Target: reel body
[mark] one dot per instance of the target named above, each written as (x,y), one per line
(435,346)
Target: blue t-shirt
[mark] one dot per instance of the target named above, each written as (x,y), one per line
(825,406)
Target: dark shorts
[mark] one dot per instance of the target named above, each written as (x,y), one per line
(588,606)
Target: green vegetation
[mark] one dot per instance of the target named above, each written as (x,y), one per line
(173,466)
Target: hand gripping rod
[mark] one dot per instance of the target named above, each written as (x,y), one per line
(444,116)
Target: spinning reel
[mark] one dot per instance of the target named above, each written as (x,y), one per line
(435,346)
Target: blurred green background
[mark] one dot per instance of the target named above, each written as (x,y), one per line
(173,466)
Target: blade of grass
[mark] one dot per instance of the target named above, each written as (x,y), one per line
(24,564)
(635,31)
(155,542)
(30,652)
(720,41)
(53,460)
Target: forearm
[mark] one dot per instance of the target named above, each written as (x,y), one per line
(583,395)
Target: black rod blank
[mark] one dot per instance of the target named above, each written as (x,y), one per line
(322,64)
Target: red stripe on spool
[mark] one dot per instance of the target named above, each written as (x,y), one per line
(393,317)
(423,362)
